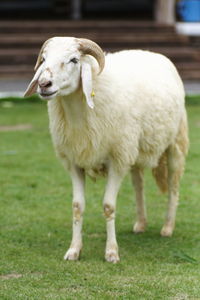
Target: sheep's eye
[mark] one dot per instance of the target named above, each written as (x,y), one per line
(74,60)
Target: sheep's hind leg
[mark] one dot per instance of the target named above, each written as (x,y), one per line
(78,183)
(109,205)
(138,182)
(175,169)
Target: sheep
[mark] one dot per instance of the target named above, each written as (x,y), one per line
(110,114)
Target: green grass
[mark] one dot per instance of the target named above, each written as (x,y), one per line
(35,220)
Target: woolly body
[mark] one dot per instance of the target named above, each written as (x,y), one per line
(136,119)
(139,103)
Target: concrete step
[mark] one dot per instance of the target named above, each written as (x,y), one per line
(29,55)
(16,71)
(105,39)
(21,41)
(186,70)
(79,26)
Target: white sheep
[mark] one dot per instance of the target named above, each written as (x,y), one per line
(110,114)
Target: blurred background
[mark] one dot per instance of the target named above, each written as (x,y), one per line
(167,26)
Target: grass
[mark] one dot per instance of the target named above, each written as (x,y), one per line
(35,220)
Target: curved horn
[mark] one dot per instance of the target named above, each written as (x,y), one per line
(88,47)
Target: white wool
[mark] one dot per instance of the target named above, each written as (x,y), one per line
(131,116)
(139,102)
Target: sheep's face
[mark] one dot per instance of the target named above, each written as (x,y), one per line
(60,73)
(61,67)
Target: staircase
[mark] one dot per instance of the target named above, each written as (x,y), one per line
(20,42)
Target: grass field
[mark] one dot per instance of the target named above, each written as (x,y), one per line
(35,220)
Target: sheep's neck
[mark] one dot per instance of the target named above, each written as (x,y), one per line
(74,109)
(79,138)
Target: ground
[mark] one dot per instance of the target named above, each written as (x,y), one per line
(35,220)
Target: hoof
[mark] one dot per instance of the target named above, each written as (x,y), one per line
(112,256)
(72,254)
(167,231)
(139,227)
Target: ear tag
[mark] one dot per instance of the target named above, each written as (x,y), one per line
(90,101)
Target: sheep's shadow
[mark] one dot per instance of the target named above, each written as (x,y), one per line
(153,246)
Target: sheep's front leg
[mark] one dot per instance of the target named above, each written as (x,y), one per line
(109,205)
(78,183)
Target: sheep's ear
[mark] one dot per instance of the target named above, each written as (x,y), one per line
(86,75)
(39,59)
(32,87)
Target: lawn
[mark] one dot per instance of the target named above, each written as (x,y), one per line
(35,220)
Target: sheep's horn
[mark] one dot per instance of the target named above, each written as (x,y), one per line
(88,47)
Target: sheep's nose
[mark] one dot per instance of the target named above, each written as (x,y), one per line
(45,83)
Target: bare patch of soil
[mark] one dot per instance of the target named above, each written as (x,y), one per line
(18,127)
(10,276)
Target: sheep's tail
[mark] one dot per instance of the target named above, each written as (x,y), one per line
(160,173)
(182,145)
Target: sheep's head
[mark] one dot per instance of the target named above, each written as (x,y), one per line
(62,66)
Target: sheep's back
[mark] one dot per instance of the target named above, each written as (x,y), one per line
(144,97)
